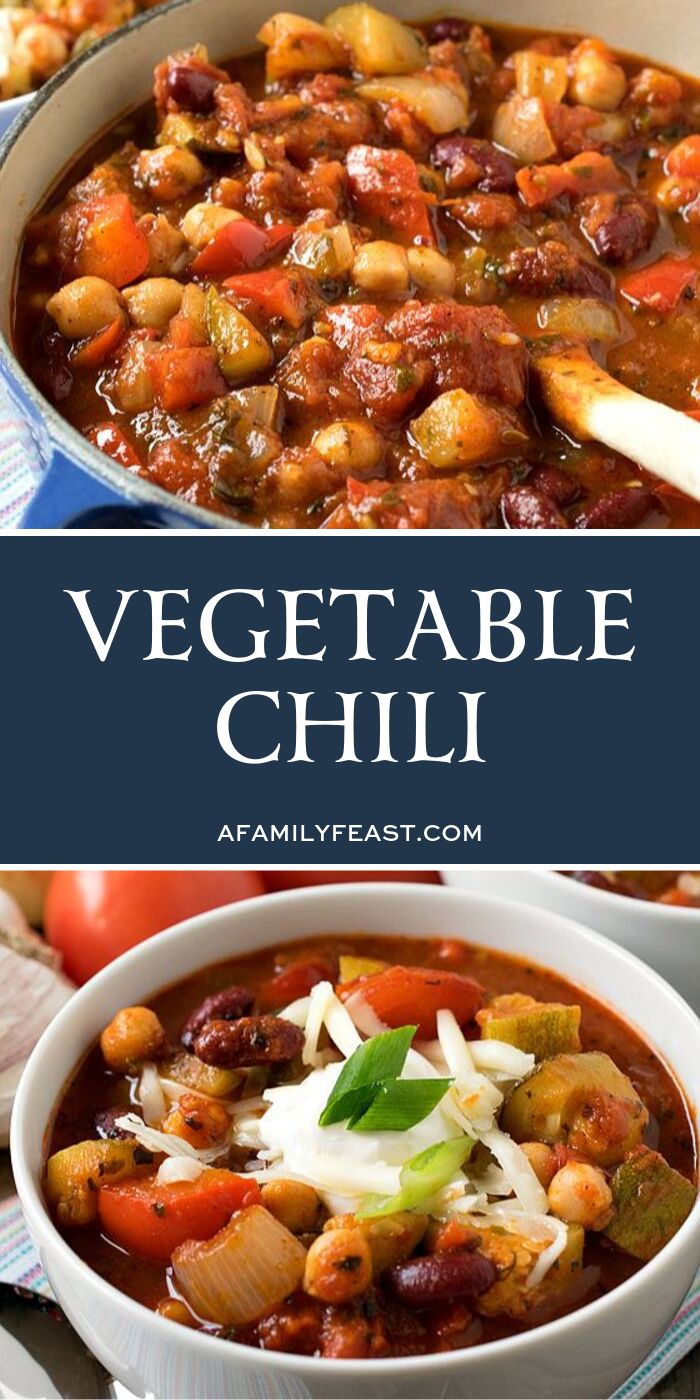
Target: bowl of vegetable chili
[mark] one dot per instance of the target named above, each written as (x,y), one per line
(369,274)
(444,1154)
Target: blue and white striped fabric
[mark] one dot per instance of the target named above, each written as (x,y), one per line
(19,464)
(19,1263)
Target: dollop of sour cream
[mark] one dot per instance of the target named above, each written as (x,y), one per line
(343,1165)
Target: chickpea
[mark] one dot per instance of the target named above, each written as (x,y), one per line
(194,307)
(41,48)
(580,1195)
(203,221)
(431,271)
(201,1122)
(597,82)
(170,172)
(292,1203)
(381,267)
(154,301)
(351,445)
(167,247)
(135,1034)
(84,307)
(176,1311)
(391,1238)
(542,1160)
(338,1266)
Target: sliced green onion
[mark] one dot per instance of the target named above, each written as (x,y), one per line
(400,1104)
(362,1076)
(420,1178)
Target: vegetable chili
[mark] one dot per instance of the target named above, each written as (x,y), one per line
(431,1145)
(680,888)
(309,289)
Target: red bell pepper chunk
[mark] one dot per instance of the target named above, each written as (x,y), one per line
(295,981)
(273,292)
(185,377)
(238,246)
(661,285)
(407,996)
(98,348)
(109,242)
(115,444)
(684,159)
(152,1220)
(385,187)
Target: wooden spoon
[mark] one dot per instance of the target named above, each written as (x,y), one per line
(588,403)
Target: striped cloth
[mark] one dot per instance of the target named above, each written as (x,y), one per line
(19,463)
(19,1263)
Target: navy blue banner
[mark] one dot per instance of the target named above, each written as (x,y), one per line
(225,699)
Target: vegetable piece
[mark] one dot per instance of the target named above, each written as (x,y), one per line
(381,267)
(400,1104)
(109,242)
(294,981)
(338,1265)
(660,285)
(516,1254)
(579,318)
(149,1219)
(260,404)
(684,159)
(539,1028)
(85,306)
(459,429)
(243,1272)
(584,1101)
(540,75)
(240,245)
(651,1202)
(350,446)
(296,44)
(74,1175)
(100,346)
(439,105)
(377,1060)
(276,292)
(327,254)
(385,189)
(353,967)
(520,126)
(432,271)
(110,439)
(134,1034)
(391,1238)
(415,994)
(587,173)
(184,377)
(421,1178)
(378,42)
(204,1079)
(296,1205)
(242,350)
(203,221)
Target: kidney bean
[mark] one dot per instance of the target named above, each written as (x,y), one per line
(440,1278)
(483,163)
(228,1005)
(449,28)
(526,508)
(191,88)
(560,486)
(106,1126)
(619,510)
(253,1040)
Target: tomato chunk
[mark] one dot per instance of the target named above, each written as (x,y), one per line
(99,347)
(385,187)
(238,246)
(276,293)
(587,173)
(295,981)
(115,444)
(152,1220)
(405,996)
(184,378)
(109,242)
(661,285)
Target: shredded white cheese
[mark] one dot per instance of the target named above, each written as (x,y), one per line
(528,1191)
(179,1169)
(150,1095)
(325,1009)
(169,1143)
(500,1060)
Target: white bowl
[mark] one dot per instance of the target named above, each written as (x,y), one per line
(589,1353)
(666,937)
(11,108)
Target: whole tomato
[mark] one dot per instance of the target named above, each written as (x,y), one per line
(94,915)
(297,879)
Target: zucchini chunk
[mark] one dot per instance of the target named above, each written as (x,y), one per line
(540,1028)
(584,1101)
(651,1202)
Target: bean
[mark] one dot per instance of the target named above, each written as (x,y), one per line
(253,1040)
(440,1278)
(526,508)
(594,878)
(619,510)
(455,29)
(106,1125)
(227,1005)
(190,88)
(560,486)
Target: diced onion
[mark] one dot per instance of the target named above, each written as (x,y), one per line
(520,125)
(243,1272)
(438,105)
(583,318)
(178,1169)
(297,1012)
(150,1095)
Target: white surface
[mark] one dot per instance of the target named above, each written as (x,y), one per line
(665,937)
(588,1353)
